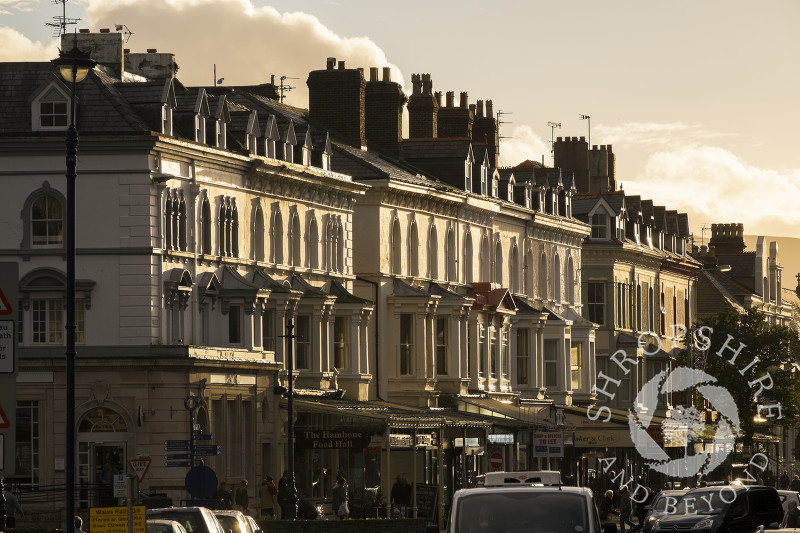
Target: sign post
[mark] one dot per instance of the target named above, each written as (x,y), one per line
(9,300)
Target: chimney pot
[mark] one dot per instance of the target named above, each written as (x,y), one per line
(387,73)
(559,139)
(594,147)
(438,96)
(126,50)
(151,50)
(489,109)
(373,73)
(450,98)
(480,108)
(583,139)
(341,65)
(104,30)
(464,99)
(84,30)
(472,108)
(330,63)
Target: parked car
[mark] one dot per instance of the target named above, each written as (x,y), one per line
(727,509)
(193,519)
(254,527)
(164,526)
(787,496)
(662,505)
(233,521)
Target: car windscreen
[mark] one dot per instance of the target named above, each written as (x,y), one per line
(665,501)
(515,511)
(192,522)
(229,523)
(704,502)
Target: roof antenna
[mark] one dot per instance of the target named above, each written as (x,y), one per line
(125,31)
(60,24)
(285,87)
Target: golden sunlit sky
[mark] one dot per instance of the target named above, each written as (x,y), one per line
(698,98)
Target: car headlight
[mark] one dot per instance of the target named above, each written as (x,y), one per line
(651,518)
(704,524)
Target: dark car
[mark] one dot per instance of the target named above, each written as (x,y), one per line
(663,504)
(725,509)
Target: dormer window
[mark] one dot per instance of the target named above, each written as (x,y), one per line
(306,155)
(199,129)
(510,192)
(288,153)
(484,180)
(599,226)
(326,161)
(649,237)
(270,148)
(220,133)
(636,232)
(495,187)
(251,143)
(621,229)
(166,119)
(468,176)
(50,111)
(528,197)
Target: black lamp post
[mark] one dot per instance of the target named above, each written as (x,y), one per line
(73,65)
(292,488)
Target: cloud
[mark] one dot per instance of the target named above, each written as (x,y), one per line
(654,134)
(714,185)
(246,43)
(523,144)
(16,47)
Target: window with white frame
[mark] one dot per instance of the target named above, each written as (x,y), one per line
(505,354)
(575,365)
(53,114)
(221,133)
(481,350)
(200,128)
(468,176)
(599,226)
(406,345)
(50,110)
(47,221)
(48,316)
(441,345)
(28,440)
(523,356)
(551,363)
(596,302)
(268,329)
(340,341)
(302,333)
(166,119)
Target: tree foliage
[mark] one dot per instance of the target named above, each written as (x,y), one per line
(762,373)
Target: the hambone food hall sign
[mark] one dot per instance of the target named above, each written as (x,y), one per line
(327,439)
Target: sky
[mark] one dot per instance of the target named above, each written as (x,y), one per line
(698,99)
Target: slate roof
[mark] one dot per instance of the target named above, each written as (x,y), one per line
(343,296)
(404,290)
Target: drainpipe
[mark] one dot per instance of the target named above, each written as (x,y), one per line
(377,337)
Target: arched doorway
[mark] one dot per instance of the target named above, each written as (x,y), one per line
(102,454)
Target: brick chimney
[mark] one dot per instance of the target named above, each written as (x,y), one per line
(336,101)
(423,108)
(455,122)
(384,100)
(571,154)
(727,238)
(484,130)
(601,163)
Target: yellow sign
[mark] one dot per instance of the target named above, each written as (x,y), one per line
(115,519)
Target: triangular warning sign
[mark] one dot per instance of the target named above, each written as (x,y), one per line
(5,423)
(5,307)
(140,466)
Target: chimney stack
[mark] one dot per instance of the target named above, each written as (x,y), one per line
(384,113)
(423,109)
(485,131)
(106,48)
(464,100)
(456,122)
(336,101)
(450,98)
(571,154)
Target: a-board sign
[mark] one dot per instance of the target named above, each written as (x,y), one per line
(115,519)
(427,496)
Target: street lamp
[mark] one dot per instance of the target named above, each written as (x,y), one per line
(292,488)
(74,66)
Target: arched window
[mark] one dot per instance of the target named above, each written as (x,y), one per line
(543,277)
(397,247)
(339,246)
(234,224)
(468,259)
(182,240)
(258,234)
(413,250)
(43,219)
(498,263)
(433,253)
(295,238)
(102,420)
(168,222)
(312,256)
(452,274)
(570,281)
(513,269)
(528,274)
(205,227)
(486,259)
(276,238)
(557,296)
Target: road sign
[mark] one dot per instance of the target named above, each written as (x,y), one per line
(119,486)
(115,519)
(140,467)
(176,456)
(177,446)
(207,449)
(201,482)
(496,460)
(4,420)
(177,463)
(5,307)
(196,435)
(8,341)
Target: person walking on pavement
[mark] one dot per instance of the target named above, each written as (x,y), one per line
(266,495)
(340,505)
(795,484)
(625,509)
(12,508)
(286,500)
(242,498)
(606,507)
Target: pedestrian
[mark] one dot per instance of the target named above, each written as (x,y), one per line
(784,481)
(340,499)
(78,523)
(285,499)
(12,508)
(223,495)
(795,484)
(625,509)
(242,499)
(792,516)
(607,505)
(641,507)
(400,497)
(266,495)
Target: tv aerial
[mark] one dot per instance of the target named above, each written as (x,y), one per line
(285,87)
(60,23)
(125,31)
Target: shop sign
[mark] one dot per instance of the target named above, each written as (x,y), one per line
(549,444)
(329,439)
(609,438)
